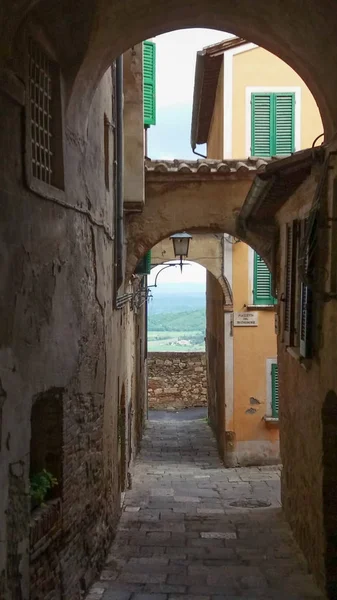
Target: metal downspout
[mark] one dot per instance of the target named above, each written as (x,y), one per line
(119,175)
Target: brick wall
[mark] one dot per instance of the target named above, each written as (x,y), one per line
(177,380)
(45,546)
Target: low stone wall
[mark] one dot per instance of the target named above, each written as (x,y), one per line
(177,380)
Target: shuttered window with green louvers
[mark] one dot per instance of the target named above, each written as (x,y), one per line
(290,283)
(262,283)
(306,322)
(149,83)
(274,390)
(272,124)
(261,125)
(144,265)
(309,228)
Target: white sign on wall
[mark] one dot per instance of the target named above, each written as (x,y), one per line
(245,319)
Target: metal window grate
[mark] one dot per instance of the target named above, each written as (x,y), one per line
(41,119)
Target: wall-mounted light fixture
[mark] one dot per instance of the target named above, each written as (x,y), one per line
(181,242)
(231,239)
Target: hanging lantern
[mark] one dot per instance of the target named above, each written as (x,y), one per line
(181,242)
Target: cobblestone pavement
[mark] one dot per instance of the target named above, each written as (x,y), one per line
(184,536)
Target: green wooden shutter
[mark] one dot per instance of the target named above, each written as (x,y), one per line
(262,122)
(274,390)
(262,282)
(284,123)
(290,283)
(149,83)
(306,305)
(272,124)
(306,322)
(144,265)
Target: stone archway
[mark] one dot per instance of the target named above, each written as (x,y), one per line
(285,29)
(205,250)
(204,197)
(89,39)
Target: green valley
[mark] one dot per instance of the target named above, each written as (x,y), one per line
(174,332)
(177,318)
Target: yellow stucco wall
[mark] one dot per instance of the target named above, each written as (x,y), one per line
(260,68)
(215,136)
(252,347)
(254,440)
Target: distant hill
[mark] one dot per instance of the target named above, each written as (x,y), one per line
(176,298)
(178,321)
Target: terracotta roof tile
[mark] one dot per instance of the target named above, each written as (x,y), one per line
(207,166)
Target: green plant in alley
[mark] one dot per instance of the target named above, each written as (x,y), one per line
(40,484)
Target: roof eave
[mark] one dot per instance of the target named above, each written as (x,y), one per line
(198,80)
(282,168)
(257,193)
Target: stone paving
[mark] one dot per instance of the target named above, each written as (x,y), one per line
(193,530)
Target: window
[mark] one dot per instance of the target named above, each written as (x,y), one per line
(272,404)
(262,283)
(46,444)
(44,131)
(306,262)
(300,241)
(274,390)
(144,265)
(149,83)
(306,321)
(272,123)
(289,300)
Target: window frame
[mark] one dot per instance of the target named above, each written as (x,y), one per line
(144,264)
(149,120)
(274,390)
(270,414)
(307,299)
(273,137)
(255,301)
(298,341)
(290,300)
(43,188)
(296,90)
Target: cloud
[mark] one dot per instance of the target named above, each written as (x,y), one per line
(176,55)
(192,273)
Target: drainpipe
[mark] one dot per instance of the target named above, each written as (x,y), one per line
(119,219)
(146,317)
(198,153)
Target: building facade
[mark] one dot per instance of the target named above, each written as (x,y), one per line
(247,102)
(61,334)
(65,460)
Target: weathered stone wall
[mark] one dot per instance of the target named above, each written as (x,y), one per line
(58,327)
(178,204)
(45,541)
(61,332)
(307,480)
(88,61)
(215,359)
(176,380)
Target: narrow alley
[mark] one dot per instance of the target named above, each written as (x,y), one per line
(192,529)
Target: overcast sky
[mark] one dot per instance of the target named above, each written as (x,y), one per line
(170,137)
(175,61)
(192,273)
